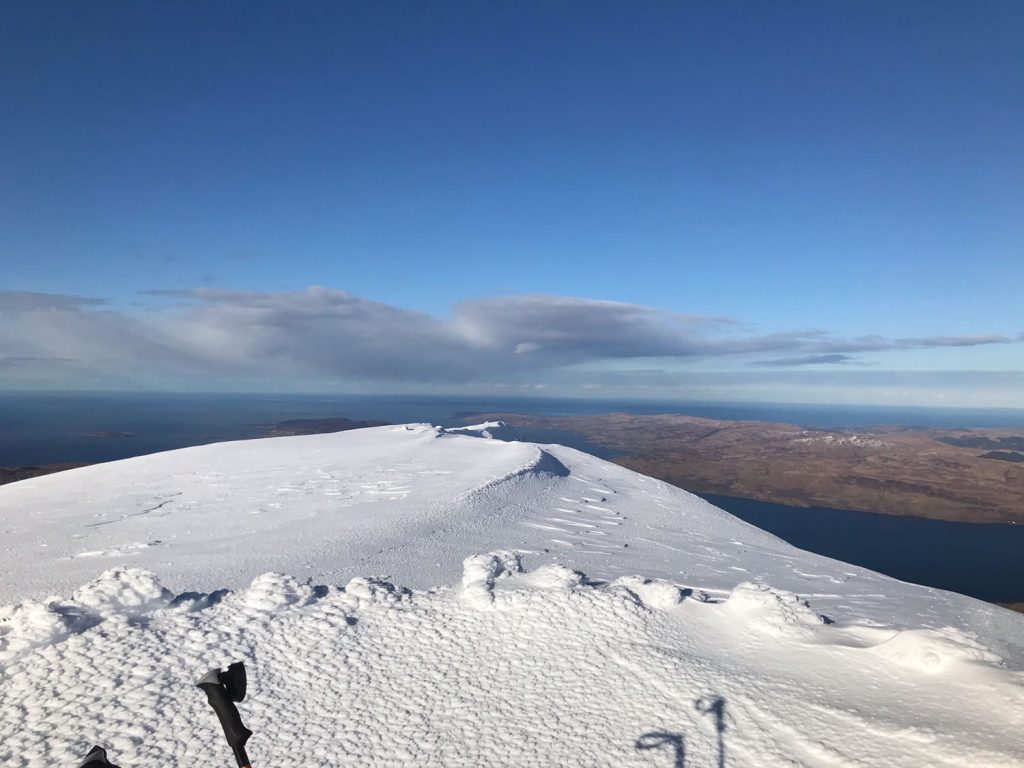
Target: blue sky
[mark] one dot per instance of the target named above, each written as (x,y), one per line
(738,174)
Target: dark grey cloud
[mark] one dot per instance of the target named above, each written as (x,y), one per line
(951,341)
(882,344)
(29,300)
(658,379)
(570,329)
(321,335)
(30,360)
(566,328)
(826,359)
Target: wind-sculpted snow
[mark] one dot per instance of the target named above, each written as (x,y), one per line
(503,603)
(508,667)
(492,430)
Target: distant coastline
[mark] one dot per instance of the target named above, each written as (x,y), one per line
(51,427)
(28,471)
(939,474)
(971,477)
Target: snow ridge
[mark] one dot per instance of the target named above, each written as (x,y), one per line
(491,430)
(541,463)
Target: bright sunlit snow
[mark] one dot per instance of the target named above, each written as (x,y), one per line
(415,596)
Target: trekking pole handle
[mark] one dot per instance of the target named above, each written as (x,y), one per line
(234,731)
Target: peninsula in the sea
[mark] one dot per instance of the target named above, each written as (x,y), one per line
(943,474)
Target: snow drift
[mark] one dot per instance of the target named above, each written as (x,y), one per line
(409,596)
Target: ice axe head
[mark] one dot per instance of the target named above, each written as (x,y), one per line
(223,689)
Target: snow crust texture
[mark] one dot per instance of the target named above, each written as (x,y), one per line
(513,667)
(542,607)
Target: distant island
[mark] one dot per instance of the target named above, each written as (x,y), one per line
(917,472)
(294,427)
(13,474)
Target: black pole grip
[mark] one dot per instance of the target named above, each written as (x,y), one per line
(97,758)
(236,733)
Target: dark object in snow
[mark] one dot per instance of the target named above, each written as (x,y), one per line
(97,758)
(223,689)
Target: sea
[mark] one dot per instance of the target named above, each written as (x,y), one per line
(979,560)
(49,428)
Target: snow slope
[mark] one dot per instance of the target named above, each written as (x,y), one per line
(455,600)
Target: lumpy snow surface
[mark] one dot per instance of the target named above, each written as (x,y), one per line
(409,596)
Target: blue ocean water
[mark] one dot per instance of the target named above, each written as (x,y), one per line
(56,427)
(983,561)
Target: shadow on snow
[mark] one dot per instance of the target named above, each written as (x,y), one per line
(675,743)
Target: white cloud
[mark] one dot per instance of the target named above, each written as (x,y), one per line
(304,339)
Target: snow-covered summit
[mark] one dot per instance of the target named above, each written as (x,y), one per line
(492,430)
(418,596)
